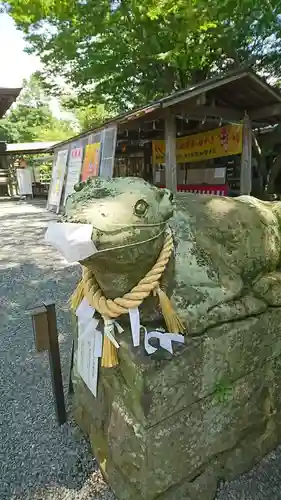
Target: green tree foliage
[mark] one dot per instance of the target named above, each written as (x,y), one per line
(31,118)
(124,52)
(91,116)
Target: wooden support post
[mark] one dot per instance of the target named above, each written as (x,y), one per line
(246,158)
(46,339)
(170,155)
(55,366)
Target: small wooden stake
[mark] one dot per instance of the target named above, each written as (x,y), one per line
(46,339)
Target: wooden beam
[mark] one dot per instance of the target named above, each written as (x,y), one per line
(186,98)
(142,121)
(170,153)
(246,158)
(201,112)
(204,88)
(266,112)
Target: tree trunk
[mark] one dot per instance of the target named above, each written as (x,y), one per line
(199,76)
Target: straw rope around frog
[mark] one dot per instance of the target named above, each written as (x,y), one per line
(112,309)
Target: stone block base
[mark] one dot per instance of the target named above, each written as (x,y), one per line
(171,429)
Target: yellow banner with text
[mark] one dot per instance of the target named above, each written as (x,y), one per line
(223,141)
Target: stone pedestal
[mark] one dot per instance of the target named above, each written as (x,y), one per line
(171,429)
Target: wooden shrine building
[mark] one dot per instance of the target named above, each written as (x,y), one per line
(200,139)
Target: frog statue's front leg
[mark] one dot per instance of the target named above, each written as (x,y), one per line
(200,318)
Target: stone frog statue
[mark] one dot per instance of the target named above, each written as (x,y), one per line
(226,257)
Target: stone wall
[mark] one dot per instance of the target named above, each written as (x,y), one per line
(170,427)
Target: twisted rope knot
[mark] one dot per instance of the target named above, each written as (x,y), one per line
(109,308)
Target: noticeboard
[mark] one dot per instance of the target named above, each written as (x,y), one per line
(57,182)
(73,171)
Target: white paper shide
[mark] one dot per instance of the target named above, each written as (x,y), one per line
(89,346)
(90,341)
(135,325)
(166,340)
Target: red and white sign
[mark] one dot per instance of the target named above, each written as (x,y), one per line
(58,174)
(73,171)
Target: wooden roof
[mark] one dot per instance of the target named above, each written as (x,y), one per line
(7,97)
(28,148)
(223,98)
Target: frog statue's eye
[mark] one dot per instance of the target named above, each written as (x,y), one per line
(141,208)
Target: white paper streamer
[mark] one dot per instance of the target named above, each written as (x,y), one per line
(165,340)
(84,311)
(109,325)
(89,345)
(118,327)
(135,325)
(71,239)
(89,350)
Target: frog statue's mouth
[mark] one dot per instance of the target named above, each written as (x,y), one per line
(122,211)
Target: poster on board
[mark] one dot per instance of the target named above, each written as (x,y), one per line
(108,152)
(57,179)
(91,161)
(73,171)
(24,179)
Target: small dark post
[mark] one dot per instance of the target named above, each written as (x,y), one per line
(55,366)
(46,339)
(40,328)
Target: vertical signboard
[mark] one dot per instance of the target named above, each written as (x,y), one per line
(108,151)
(91,161)
(24,178)
(73,171)
(58,174)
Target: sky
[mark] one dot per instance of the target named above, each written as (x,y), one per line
(15,64)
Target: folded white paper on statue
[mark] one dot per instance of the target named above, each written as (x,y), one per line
(89,346)
(71,239)
(165,340)
(87,325)
(88,353)
(84,311)
(109,326)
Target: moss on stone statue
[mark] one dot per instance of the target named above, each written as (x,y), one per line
(227,250)
(169,427)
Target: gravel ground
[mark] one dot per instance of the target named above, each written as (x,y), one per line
(38,459)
